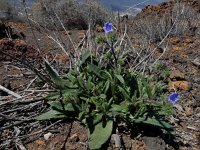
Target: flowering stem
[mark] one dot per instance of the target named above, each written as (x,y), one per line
(113,53)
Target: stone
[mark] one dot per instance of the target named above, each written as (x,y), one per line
(154,143)
(174,41)
(99,28)
(40,142)
(74,138)
(179,85)
(188,111)
(176,75)
(177,48)
(188,40)
(47,136)
(117,140)
(81,34)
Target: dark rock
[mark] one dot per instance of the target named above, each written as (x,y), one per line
(154,143)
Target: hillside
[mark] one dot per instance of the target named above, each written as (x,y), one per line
(162,43)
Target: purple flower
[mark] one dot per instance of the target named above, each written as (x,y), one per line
(173,98)
(108,27)
(164,62)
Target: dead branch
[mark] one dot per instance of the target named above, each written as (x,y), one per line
(9,92)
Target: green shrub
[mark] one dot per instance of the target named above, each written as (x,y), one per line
(100,92)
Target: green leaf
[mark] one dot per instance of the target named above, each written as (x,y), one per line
(100,134)
(71,77)
(81,81)
(106,75)
(132,82)
(85,55)
(89,85)
(54,76)
(120,78)
(125,93)
(51,114)
(155,122)
(149,91)
(67,94)
(53,96)
(94,69)
(67,106)
(70,94)
(106,86)
(94,120)
(120,108)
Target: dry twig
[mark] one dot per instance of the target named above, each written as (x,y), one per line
(9,92)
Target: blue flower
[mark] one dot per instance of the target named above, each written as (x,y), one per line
(173,98)
(164,63)
(108,27)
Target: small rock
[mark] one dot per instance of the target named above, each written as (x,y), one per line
(74,138)
(61,59)
(47,136)
(40,142)
(178,59)
(179,85)
(196,62)
(174,41)
(177,48)
(179,107)
(188,41)
(176,75)
(154,143)
(198,115)
(81,34)
(138,145)
(98,28)
(188,111)
(117,140)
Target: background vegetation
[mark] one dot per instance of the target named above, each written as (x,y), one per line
(181,20)
(72,13)
(6,10)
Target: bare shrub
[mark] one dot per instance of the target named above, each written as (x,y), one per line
(188,19)
(6,10)
(72,13)
(180,21)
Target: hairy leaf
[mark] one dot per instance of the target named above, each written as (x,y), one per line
(85,55)
(120,78)
(124,92)
(120,108)
(155,122)
(57,105)
(55,77)
(106,75)
(100,134)
(94,69)
(51,114)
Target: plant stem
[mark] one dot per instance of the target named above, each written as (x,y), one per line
(113,53)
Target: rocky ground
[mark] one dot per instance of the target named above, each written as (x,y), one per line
(19,131)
